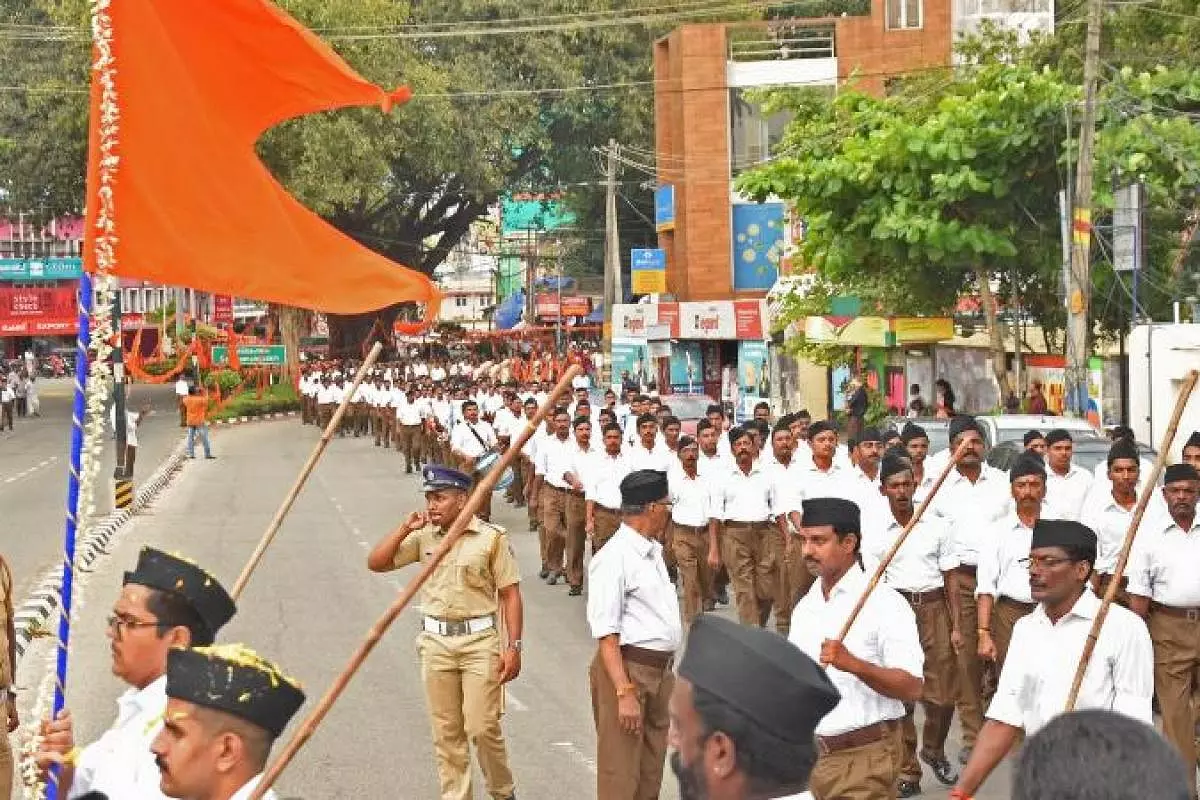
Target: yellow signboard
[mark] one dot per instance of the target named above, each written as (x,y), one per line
(914,330)
(648,281)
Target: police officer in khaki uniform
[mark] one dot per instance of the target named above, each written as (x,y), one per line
(464,661)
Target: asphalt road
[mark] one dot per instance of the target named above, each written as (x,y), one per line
(311,602)
(34,461)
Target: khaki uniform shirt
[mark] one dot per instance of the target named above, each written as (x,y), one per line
(6,612)
(465,584)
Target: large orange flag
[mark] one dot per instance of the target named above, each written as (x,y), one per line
(197,82)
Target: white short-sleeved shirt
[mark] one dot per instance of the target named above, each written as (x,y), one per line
(1109,520)
(709,465)
(181,388)
(970,508)
(884,633)
(119,763)
(407,413)
(692,497)
(1000,572)
(812,481)
(630,594)
(247,791)
(742,497)
(660,458)
(919,563)
(462,439)
(1065,493)
(1043,656)
(1163,563)
(602,485)
(554,459)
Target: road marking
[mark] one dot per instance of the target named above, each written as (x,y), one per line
(577,755)
(512,700)
(25,473)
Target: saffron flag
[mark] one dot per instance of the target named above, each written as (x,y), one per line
(197,83)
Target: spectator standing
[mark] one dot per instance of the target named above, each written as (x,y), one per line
(32,400)
(856,407)
(195,407)
(181,394)
(1037,399)
(8,399)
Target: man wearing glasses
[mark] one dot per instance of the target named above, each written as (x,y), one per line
(1047,647)
(166,603)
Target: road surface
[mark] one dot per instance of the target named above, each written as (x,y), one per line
(312,600)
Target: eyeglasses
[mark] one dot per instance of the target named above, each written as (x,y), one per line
(1042,562)
(118,623)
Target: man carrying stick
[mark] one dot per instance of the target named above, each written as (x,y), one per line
(1046,648)
(463,664)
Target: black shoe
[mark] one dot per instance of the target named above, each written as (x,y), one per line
(575,591)
(210,458)
(946,774)
(908,789)
(545,573)
(673,574)
(964,755)
(552,579)
(723,597)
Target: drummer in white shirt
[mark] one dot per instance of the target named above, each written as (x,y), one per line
(469,442)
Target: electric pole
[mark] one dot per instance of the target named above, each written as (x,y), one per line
(1080,286)
(613,291)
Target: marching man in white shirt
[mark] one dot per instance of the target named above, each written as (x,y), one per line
(408,429)
(550,492)
(602,493)
(469,441)
(1067,484)
(921,574)
(633,613)
(165,603)
(694,533)
(1111,513)
(1047,646)
(742,501)
(877,669)
(576,511)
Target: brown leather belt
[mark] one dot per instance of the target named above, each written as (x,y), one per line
(1190,614)
(967,569)
(921,598)
(1024,608)
(657,659)
(856,738)
(743,526)
(692,528)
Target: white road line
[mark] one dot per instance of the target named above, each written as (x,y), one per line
(577,755)
(513,702)
(25,473)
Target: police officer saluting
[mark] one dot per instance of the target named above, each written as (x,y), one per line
(633,612)
(463,661)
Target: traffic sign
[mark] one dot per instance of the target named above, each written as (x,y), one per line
(252,355)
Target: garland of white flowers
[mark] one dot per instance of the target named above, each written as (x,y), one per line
(99,377)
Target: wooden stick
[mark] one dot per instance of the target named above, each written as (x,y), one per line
(481,491)
(912,523)
(313,458)
(1114,585)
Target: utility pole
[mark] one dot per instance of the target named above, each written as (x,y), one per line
(613,291)
(1080,286)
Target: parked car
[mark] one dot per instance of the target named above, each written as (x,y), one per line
(1089,451)
(999,428)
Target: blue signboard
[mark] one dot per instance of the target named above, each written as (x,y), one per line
(687,362)
(40,269)
(648,271)
(758,244)
(664,208)
(649,259)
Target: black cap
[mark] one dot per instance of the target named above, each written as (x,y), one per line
(1027,464)
(893,464)
(644,486)
(1031,436)
(175,574)
(234,679)
(1193,440)
(870,435)
(843,515)
(1122,448)
(1058,435)
(1180,472)
(913,431)
(960,423)
(821,426)
(1064,533)
(1122,432)
(436,477)
(762,675)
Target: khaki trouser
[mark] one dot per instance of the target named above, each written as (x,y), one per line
(775,566)
(970,666)
(691,557)
(325,414)
(6,767)
(408,442)
(799,579)
(1176,679)
(867,772)
(527,476)
(941,687)
(553,534)
(748,558)
(306,411)
(516,491)
(607,522)
(1005,613)
(464,699)
(576,537)
(630,767)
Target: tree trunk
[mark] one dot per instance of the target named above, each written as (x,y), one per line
(351,335)
(292,323)
(987,302)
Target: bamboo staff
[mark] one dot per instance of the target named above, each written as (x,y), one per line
(482,489)
(912,523)
(1114,585)
(313,458)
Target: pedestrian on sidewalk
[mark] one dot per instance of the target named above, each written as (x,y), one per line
(8,399)
(196,413)
(19,388)
(31,397)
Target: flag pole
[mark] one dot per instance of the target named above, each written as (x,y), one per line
(313,457)
(482,489)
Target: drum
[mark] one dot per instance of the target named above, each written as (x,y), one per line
(485,464)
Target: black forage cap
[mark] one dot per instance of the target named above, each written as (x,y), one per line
(237,681)
(643,486)
(172,573)
(843,515)
(1180,472)
(1064,533)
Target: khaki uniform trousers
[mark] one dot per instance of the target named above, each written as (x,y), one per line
(6,767)
(971,669)
(867,772)
(459,673)
(941,686)
(1177,677)
(607,522)
(1005,613)
(408,442)
(387,427)
(631,767)
(691,557)
(552,536)
(576,536)
(775,552)
(325,414)
(749,556)
(306,411)
(527,477)
(516,491)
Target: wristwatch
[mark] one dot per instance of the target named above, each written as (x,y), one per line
(626,688)
(515,644)
(11,692)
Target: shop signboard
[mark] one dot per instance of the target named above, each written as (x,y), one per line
(648,271)
(32,311)
(252,355)
(40,269)
(758,244)
(664,208)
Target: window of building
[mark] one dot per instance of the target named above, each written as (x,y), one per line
(904,14)
(460,302)
(752,134)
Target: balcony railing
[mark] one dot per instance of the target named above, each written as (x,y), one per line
(782,42)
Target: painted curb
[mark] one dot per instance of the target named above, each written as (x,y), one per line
(34,613)
(261,418)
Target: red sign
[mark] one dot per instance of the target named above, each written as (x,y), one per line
(546,305)
(222,309)
(28,312)
(747,319)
